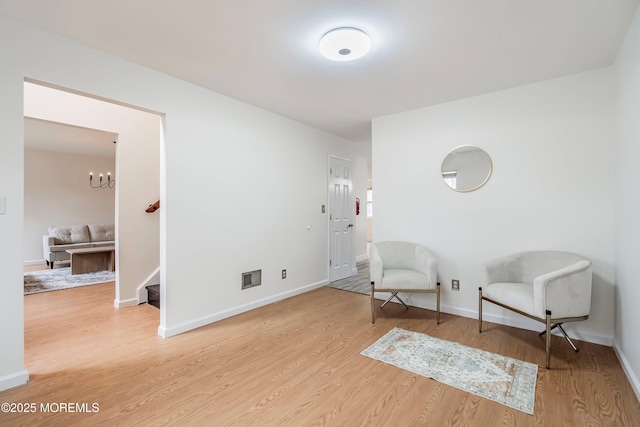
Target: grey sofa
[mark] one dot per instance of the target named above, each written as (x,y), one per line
(61,238)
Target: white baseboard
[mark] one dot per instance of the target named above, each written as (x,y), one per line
(35,262)
(532,325)
(523,323)
(131,302)
(214,317)
(626,367)
(14,380)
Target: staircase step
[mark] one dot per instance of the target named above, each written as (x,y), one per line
(153,295)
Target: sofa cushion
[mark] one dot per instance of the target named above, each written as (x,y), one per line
(101,232)
(103,244)
(62,248)
(66,234)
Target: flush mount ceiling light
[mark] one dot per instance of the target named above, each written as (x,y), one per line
(344,44)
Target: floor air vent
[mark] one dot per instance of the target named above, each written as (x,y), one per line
(251,279)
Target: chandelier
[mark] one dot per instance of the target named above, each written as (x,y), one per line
(109,183)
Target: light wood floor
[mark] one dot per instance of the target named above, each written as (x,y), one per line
(293,363)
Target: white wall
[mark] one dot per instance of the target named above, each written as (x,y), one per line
(242,203)
(239,185)
(551,188)
(627,291)
(57,192)
(12,369)
(137,176)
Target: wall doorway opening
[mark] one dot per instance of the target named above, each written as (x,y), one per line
(137,174)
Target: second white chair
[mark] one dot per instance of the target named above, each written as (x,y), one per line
(551,287)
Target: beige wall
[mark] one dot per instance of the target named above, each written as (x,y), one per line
(57,192)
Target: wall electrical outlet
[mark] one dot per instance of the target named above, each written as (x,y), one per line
(284,274)
(455,284)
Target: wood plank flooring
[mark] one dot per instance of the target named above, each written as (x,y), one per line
(293,363)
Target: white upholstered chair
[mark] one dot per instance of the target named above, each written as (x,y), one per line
(402,267)
(551,287)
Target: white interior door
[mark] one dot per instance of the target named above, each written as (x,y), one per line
(340,218)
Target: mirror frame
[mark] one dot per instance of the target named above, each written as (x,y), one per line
(477,186)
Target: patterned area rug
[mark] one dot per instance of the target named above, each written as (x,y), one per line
(61,278)
(508,381)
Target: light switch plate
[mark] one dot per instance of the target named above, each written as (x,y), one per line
(3,205)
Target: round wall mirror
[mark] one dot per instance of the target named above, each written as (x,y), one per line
(466,168)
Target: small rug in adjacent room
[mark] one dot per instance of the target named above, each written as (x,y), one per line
(360,283)
(502,379)
(61,278)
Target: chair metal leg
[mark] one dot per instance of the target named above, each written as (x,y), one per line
(567,337)
(548,338)
(559,326)
(438,305)
(394,295)
(545,331)
(480,309)
(387,301)
(398,298)
(373,305)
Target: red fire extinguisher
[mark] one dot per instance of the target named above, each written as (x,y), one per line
(357,206)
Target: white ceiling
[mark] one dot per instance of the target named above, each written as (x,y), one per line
(424,52)
(52,136)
